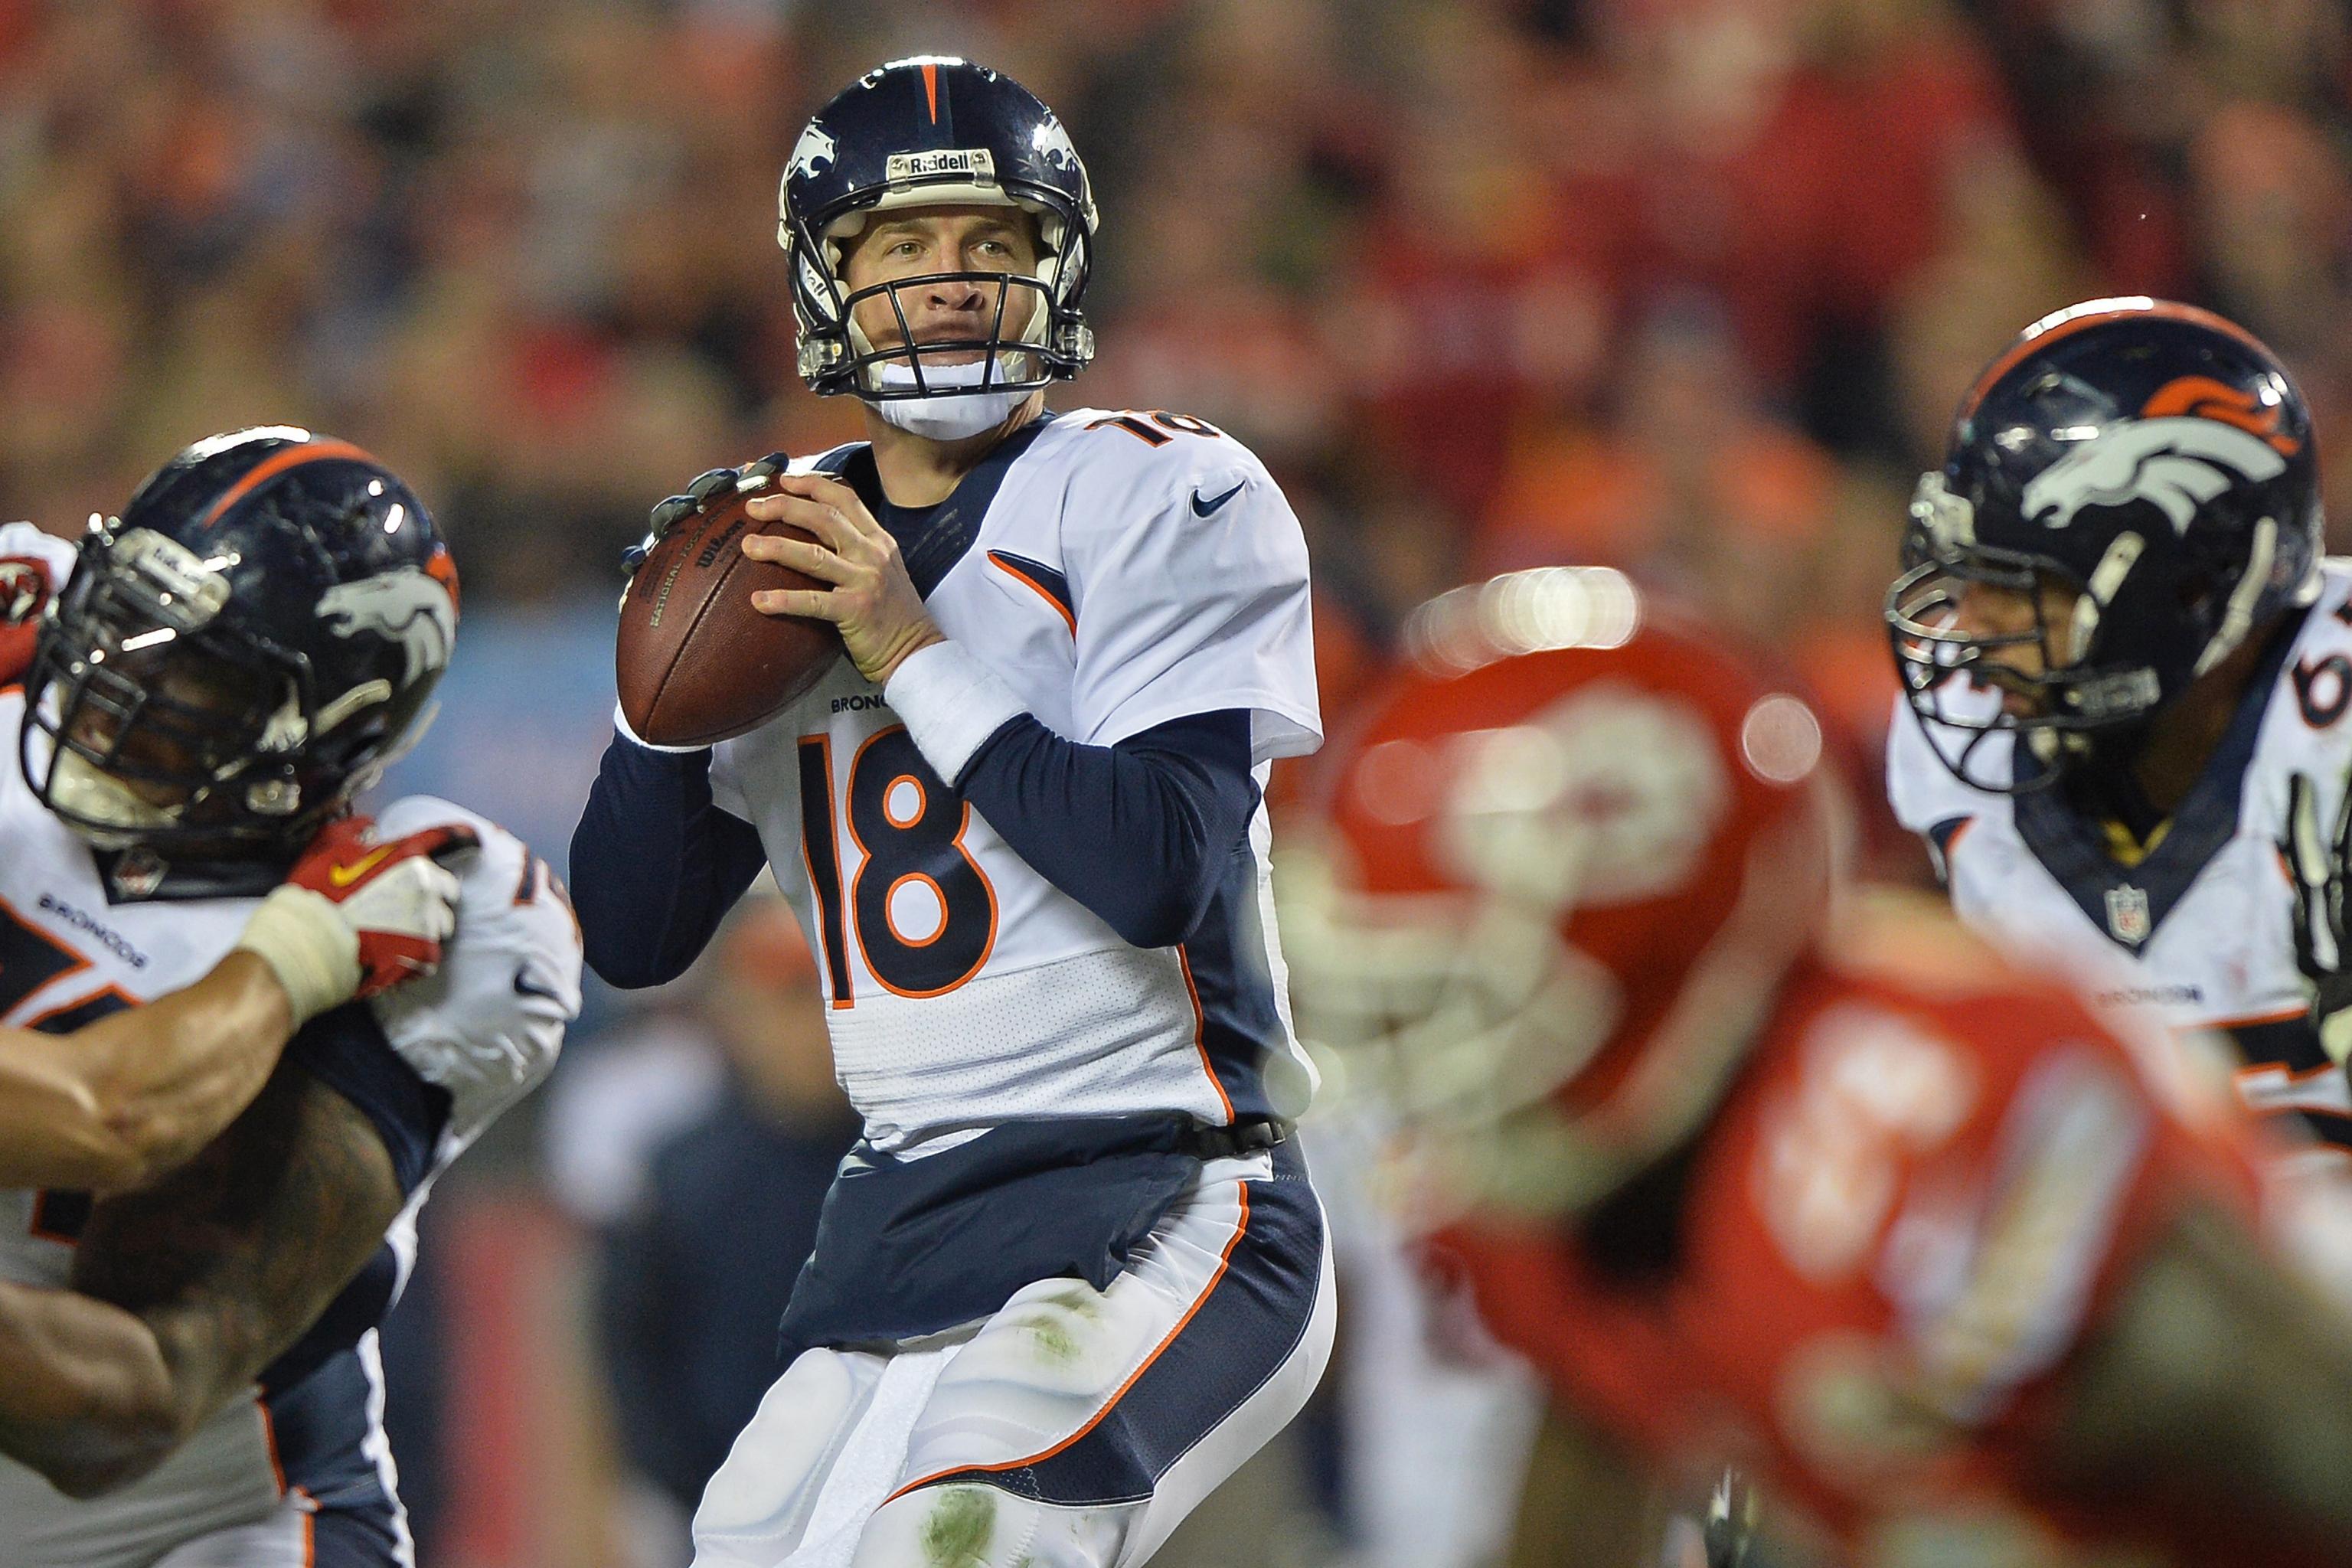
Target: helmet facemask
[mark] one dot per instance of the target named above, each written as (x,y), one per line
(2151,459)
(153,719)
(1567,863)
(1462,1016)
(1050,341)
(1508,1053)
(2080,696)
(145,719)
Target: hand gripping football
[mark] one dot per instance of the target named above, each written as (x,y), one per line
(696,663)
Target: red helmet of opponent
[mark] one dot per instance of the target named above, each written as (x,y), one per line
(1905,1229)
(1563,867)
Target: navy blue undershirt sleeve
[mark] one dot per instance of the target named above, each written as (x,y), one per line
(345,1049)
(1140,833)
(656,864)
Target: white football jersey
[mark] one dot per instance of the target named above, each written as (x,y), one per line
(82,935)
(2201,929)
(1118,571)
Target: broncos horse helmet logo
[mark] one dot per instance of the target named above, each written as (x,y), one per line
(409,606)
(813,153)
(1052,144)
(2196,437)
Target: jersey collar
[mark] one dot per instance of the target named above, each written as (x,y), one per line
(932,538)
(2129,902)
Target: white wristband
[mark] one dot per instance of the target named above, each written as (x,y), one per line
(952,703)
(309,945)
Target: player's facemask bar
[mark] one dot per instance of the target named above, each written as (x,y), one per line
(943,389)
(146,725)
(1468,1019)
(1459,1018)
(1953,679)
(953,387)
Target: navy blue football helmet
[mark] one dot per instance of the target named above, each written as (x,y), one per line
(241,651)
(2152,458)
(927,131)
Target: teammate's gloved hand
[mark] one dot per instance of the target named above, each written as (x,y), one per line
(671,510)
(25,587)
(2316,867)
(356,917)
(398,898)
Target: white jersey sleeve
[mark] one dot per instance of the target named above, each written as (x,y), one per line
(726,791)
(1188,573)
(1922,792)
(486,1027)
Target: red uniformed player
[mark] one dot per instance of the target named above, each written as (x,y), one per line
(1762,1170)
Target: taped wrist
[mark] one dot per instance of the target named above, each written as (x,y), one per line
(952,703)
(308,946)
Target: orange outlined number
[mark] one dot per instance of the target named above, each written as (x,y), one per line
(821,852)
(1152,428)
(918,907)
(2322,689)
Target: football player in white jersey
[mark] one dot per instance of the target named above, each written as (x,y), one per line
(1074,1273)
(123,1098)
(2128,669)
(190,1369)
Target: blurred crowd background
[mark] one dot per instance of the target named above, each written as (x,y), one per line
(1685,286)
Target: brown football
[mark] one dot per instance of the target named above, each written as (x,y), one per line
(695,662)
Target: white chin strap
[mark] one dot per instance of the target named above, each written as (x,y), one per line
(945,416)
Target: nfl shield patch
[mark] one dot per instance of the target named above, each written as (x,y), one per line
(138,872)
(2128,918)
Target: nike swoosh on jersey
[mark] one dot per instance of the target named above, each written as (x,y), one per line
(1204,508)
(525,986)
(344,876)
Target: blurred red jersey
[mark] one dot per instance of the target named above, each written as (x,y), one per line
(1917,1203)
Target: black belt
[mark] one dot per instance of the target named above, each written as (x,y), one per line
(1241,1137)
